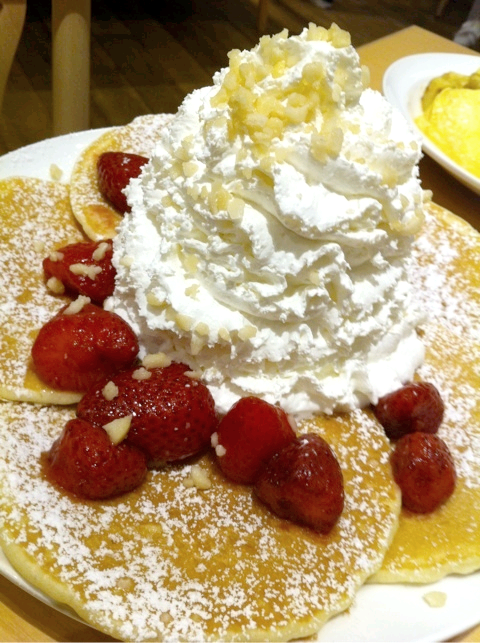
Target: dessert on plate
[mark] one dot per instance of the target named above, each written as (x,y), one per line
(280,245)
(97,216)
(36,218)
(450,117)
(427,547)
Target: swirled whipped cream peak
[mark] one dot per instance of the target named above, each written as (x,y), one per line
(269,233)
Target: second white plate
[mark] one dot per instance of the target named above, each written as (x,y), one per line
(403,85)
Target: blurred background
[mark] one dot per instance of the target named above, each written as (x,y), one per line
(146,59)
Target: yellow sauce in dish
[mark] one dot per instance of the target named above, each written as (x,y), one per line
(451,118)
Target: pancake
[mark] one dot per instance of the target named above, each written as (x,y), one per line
(445,271)
(36,219)
(170,561)
(95,214)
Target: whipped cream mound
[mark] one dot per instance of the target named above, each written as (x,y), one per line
(269,233)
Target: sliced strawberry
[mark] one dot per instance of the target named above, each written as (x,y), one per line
(85,462)
(74,351)
(424,470)
(417,406)
(115,169)
(84,269)
(304,484)
(173,413)
(247,437)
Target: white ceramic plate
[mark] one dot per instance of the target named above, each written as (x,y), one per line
(403,85)
(381,613)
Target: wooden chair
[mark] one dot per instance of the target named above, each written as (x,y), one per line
(71,24)
(262,15)
(441,7)
(262,12)
(12,19)
(70,58)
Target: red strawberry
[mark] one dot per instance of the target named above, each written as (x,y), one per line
(304,484)
(424,470)
(84,269)
(74,351)
(417,406)
(173,414)
(85,462)
(115,169)
(247,437)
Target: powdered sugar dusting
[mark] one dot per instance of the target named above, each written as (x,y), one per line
(172,562)
(36,218)
(444,270)
(91,209)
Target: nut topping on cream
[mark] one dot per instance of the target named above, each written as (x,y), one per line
(269,233)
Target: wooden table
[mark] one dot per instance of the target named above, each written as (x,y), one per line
(23,618)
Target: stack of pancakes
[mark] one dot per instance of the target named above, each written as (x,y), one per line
(170,561)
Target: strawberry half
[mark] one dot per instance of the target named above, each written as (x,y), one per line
(248,436)
(173,414)
(424,470)
(114,170)
(417,406)
(83,268)
(304,484)
(85,462)
(72,352)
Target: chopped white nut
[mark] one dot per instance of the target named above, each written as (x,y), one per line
(194,375)
(185,322)
(435,599)
(55,172)
(100,252)
(127,261)
(224,334)
(56,256)
(198,478)
(314,277)
(189,168)
(156,360)
(153,300)
(55,286)
(196,344)
(202,329)
(110,391)
(192,291)
(77,305)
(141,374)
(117,429)
(39,245)
(85,270)
(247,332)
(236,208)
